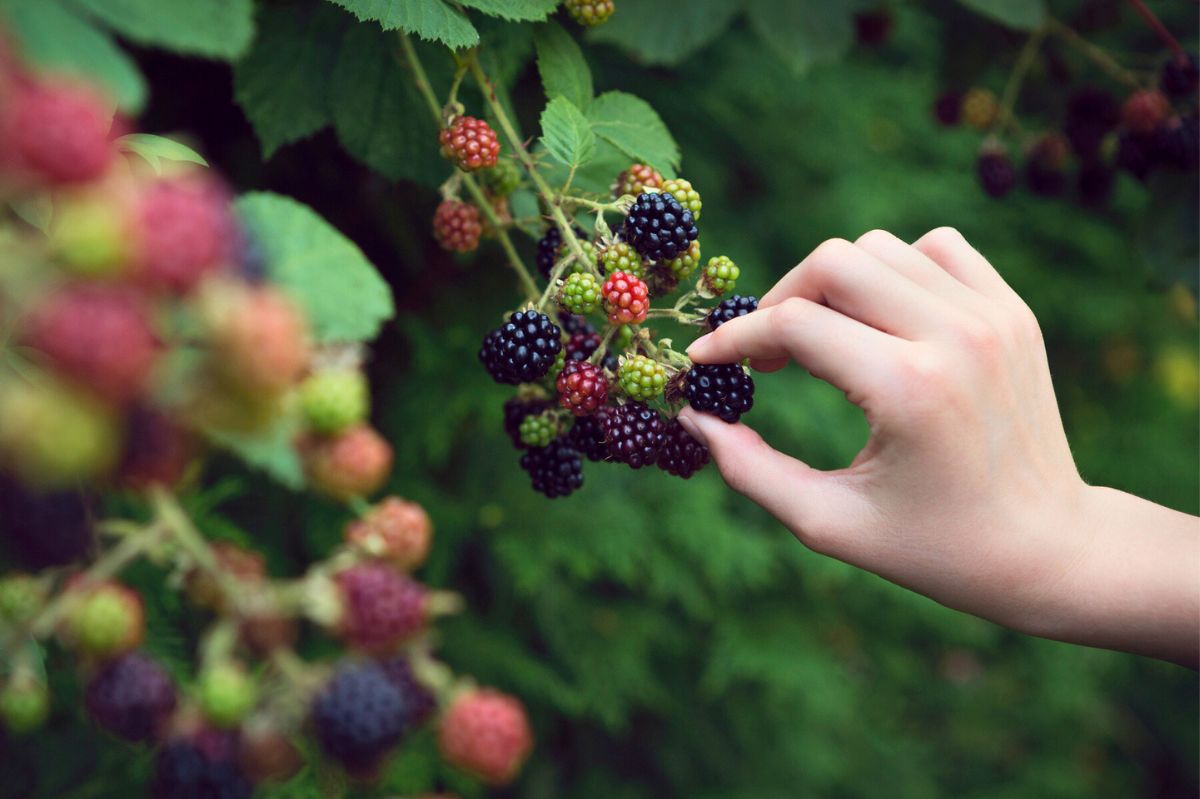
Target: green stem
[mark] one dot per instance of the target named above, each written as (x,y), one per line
(180,528)
(1097,55)
(670,313)
(598,355)
(1016,78)
(595,206)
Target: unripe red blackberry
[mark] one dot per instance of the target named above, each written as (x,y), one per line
(380,607)
(636,180)
(131,697)
(995,171)
(457,226)
(681,455)
(634,433)
(359,716)
(394,530)
(156,450)
(555,470)
(56,132)
(1180,76)
(203,764)
(523,349)
(354,463)
(626,299)
(979,108)
(582,388)
(470,143)
(724,390)
(184,232)
(486,734)
(1145,110)
(658,227)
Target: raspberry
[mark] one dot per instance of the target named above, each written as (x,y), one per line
(266,755)
(1179,143)
(580,294)
(681,455)
(50,529)
(21,595)
(259,337)
(420,702)
(523,349)
(1091,114)
(1044,169)
(724,390)
(686,262)
(359,715)
(132,697)
(486,734)
(515,412)
(1145,110)
(582,388)
(1137,154)
(873,27)
(58,133)
(555,470)
(1180,76)
(470,143)
(635,434)
(334,399)
(947,108)
(54,437)
(184,231)
(683,192)
(502,179)
(457,226)
(642,378)
(996,173)
(539,430)
(979,108)
(156,450)
(620,257)
(587,435)
(226,693)
(658,227)
(381,607)
(731,308)
(397,531)
(236,562)
(24,703)
(201,766)
(589,12)
(638,179)
(99,336)
(720,275)
(626,299)
(1095,182)
(355,463)
(105,620)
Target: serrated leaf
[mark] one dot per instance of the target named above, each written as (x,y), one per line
(270,451)
(433,20)
(562,66)
(282,82)
(156,149)
(566,133)
(633,127)
(343,295)
(55,37)
(516,10)
(665,33)
(803,32)
(1019,14)
(214,28)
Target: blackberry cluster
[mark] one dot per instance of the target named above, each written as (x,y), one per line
(681,455)
(359,715)
(131,697)
(634,434)
(731,308)
(421,703)
(50,529)
(724,390)
(658,227)
(515,411)
(587,436)
(555,470)
(523,349)
(204,766)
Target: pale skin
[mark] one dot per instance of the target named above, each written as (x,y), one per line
(966,490)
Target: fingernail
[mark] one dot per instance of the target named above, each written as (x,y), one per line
(692,428)
(695,343)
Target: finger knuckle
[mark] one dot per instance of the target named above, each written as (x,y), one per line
(979,338)
(942,239)
(873,238)
(789,314)
(922,375)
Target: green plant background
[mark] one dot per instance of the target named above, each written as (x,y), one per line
(668,637)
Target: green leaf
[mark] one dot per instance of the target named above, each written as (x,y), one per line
(156,149)
(633,127)
(54,36)
(562,66)
(270,451)
(214,28)
(566,133)
(281,84)
(665,33)
(803,32)
(518,10)
(344,297)
(432,20)
(1019,14)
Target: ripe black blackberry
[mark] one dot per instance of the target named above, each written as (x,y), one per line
(548,246)
(1137,154)
(634,433)
(722,389)
(1094,182)
(359,715)
(515,411)
(731,308)
(1180,76)
(996,173)
(555,470)
(658,227)
(947,108)
(587,436)
(44,529)
(572,323)
(1178,143)
(203,766)
(681,455)
(131,696)
(417,698)
(1091,114)
(521,350)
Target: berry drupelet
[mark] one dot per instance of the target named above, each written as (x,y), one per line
(131,697)
(523,349)
(724,390)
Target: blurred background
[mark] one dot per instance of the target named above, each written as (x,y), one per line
(670,638)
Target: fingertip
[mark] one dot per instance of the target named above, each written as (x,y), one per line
(698,348)
(768,364)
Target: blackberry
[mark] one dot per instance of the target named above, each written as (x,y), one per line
(1095,182)
(156,450)
(620,257)
(1179,143)
(1044,170)
(587,436)
(523,349)
(722,389)
(548,247)
(1144,110)
(556,470)
(131,696)
(634,433)
(539,430)
(686,262)
(470,143)
(203,766)
(642,378)
(359,715)
(1091,114)
(731,308)
(1137,154)
(979,108)
(658,227)
(582,388)
(380,607)
(996,173)
(947,108)
(419,700)
(581,293)
(43,530)
(681,455)
(1180,76)
(574,323)
(581,345)
(515,411)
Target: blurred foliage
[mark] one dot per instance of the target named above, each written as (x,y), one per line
(669,637)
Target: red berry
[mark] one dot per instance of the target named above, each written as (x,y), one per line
(582,387)
(381,607)
(626,298)
(97,335)
(487,734)
(57,132)
(456,226)
(156,451)
(352,464)
(184,232)
(1145,110)
(259,337)
(637,179)
(397,531)
(470,143)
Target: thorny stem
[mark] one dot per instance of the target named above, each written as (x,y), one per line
(598,355)
(1160,30)
(595,206)
(1097,54)
(426,89)
(670,313)
(1016,78)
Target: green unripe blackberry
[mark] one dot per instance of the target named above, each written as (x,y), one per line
(620,257)
(688,197)
(502,179)
(107,621)
(540,430)
(20,597)
(227,694)
(581,293)
(334,400)
(589,254)
(89,237)
(24,704)
(623,338)
(642,378)
(556,368)
(589,13)
(687,261)
(720,275)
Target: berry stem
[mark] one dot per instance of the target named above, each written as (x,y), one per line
(670,313)
(598,355)
(595,206)
(176,523)
(1160,30)
(1097,55)
(1012,89)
